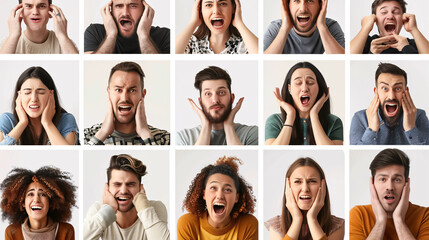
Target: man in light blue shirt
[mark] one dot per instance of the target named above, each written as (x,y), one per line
(392,118)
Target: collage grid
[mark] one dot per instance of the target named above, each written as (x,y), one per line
(178,63)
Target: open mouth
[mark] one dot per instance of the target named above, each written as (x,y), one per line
(36,20)
(126,24)
(305,100)
(124,109)
(390,28)
(122,199)
(217,22)
(216,107)
(219,208)
(305,198)
(389,198)
(36,208)
(303,19)
(391,109)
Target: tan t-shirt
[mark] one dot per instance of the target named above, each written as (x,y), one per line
(51,45)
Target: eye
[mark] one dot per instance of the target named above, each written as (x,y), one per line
(384,88)
(382,179)
(398,180)
(30,194)
(133,5)
(398,89)
(221,92)
(207,94)
(27,93)
(132,90)
(223,4)
(228,190)
(297,181)
(207,5)
(298,83)
(117,90)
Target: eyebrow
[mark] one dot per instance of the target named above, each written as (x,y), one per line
(222,87)
(394,8)
(398,83)
(35,89)
(227,184)
(308,77)
(387,175)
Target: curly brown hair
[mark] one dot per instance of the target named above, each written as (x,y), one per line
(194,202)
(58,187)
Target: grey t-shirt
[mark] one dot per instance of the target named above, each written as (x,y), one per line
(297,44)
(248,135)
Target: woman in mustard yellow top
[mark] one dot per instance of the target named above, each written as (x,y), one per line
(220,203)
(306,212)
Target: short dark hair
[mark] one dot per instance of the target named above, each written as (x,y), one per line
(50,1)
(126,163)
(389,68)
(128,67)
(211,73)
(377,3)
(388,157)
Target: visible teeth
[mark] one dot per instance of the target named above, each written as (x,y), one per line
(36,208)
(215,19)
(218,204)
(393,105)
(122,107)
(305,197)
(34,107)
(122,199)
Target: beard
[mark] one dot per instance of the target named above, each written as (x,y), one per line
(390,121)
(304,30)
(126,210)
(134,33)
(221,118)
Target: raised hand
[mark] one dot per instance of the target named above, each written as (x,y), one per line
(200,113)
(143,29)
(380,44)
(60,21)
(287,22)
(109,199)
(319,104)
(237,16)
(321,19)
(367,22)
(49,111)
(372,114)
(410,111)
(318,203)
(22,115)
(108,21)
(142,128)
(379,212)
(195,15)
(410,23)
(288,108)
(14,21)
(291,204)
(108,125)
(230,119)
(401,210)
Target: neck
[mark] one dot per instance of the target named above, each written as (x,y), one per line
(36,126)
(217,126)
(218,225)
(39,36)
(126,219)
(217,41)
(126,128)
(304,114)
(305,34)
(37,224)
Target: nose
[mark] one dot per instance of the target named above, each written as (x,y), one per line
(123,189)
(35,10)
(124,96)
(304,87)
(34,96)
(36,198)
(215,98)
(215,8)
(126,10)
(304,186)
(219,194)
(391,95)
(389,186)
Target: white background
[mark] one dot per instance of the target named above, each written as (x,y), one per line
(64,73)
(249,13)
(155,182)
(333,71)
(190,163)
(156,83)
(244,80)
(70,9)
(93,15)
(362,83)
(276,164)
(362,8)
(34,159)
(336,11)
(360,175)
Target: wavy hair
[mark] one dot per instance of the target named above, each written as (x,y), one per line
(58,185)
(194,202)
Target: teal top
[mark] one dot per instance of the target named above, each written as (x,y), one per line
(274,125)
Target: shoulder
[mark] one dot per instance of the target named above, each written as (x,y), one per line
(95,27)
(93,129)
(360,114)
(336,223)
(14,231)
(334,119)
(421,112)
(65,225)
(276,117)
(417,208)
(275,23)
(248,219)
(7,122)
(246,128)
(330,22)
(360,210)
(158,205)
(188,220)
(160,30)
(67,117)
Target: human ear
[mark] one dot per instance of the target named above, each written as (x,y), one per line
(232,97)
(143,93)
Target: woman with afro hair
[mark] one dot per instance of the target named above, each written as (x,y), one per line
(220,203)
(38,204)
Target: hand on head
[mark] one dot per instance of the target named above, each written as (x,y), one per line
(109,199)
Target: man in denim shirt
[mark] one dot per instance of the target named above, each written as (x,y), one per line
(391,118)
